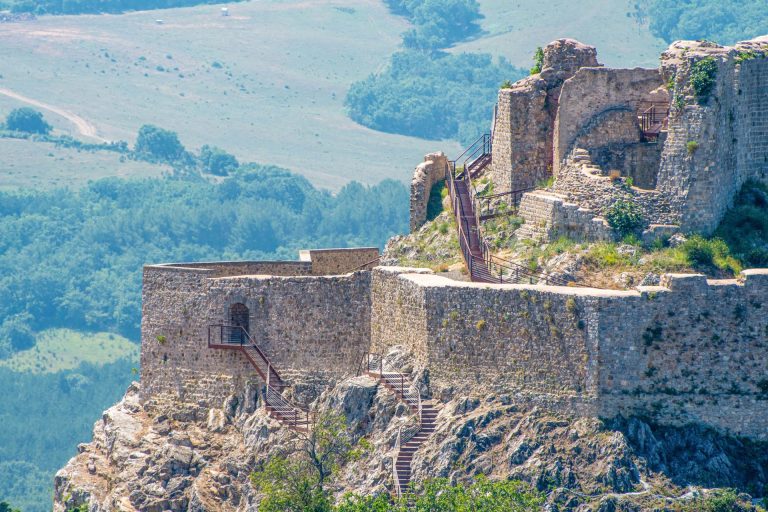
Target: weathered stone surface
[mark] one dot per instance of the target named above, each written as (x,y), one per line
(431,171)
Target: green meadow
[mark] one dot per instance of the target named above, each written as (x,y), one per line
(266,83)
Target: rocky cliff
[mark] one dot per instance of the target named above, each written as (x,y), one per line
(177,456)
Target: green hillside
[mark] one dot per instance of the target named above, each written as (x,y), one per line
(267,82)
(514,30)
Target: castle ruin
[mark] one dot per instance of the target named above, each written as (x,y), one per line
(690,350)
(677,141)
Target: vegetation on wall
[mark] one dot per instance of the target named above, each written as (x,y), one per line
(745,227)
(703,74)
(427,93)
(726,21)
(625,217)
(74,258)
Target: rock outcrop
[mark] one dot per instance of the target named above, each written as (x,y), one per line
(178,456)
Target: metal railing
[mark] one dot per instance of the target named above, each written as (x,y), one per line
(231,336)
(481,264)
(376,364)
(236,336)
(365,266)
(654,118)
(293,415)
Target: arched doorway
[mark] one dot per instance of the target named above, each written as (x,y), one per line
(238,319)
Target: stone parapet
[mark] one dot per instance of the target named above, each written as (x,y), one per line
(548,216)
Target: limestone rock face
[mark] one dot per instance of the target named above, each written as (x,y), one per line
(174,456)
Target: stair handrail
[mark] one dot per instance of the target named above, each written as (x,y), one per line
(252,343)
(299,415)
(395,476)
(486,258)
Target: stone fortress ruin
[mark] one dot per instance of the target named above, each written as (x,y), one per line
(678,141)
(691,350)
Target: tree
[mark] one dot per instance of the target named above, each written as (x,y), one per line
(6,507)
(160,144)
(217,161)
(17,331)
(27,120)
(297,482)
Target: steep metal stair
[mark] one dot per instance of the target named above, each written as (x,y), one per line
(235,337)
(482,265)
(409,439)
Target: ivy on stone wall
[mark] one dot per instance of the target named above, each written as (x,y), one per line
(703,74)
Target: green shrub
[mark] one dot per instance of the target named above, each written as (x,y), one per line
(713,253)
(538,61)
(216,161)
(703,75)
(624,217)
(605,254)
(156,143)
(691,146)
(27,120)
(506,84)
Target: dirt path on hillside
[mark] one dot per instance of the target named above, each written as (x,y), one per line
(84,127)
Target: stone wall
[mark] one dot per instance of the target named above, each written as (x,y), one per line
(312,328)
(431,171)
(593,92)
(752,113)
(615,144)
(525,116)
(549,216)
(341,261)
(689,351)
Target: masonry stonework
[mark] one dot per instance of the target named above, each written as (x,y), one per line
(689,350)
(431,171)
(687,156)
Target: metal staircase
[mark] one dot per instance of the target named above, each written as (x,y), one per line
(235,337)
(482,265)
(409,439)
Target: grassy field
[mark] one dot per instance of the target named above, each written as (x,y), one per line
(64,349)
(266,83)
(41,165)
(514,28)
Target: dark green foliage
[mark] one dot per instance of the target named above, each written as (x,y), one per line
(726,21)
(431,96)
(438,494)
(703,74)
(437,23)
(74,258)
(298,483)
(154,143)
(217,161)
(435,203)
(99,6)
(15,330)
(5,507)
(538,61)
(43,420)
(745,227)
(27,120)
(625,217)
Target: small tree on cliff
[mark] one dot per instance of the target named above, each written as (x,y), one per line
(297,482)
